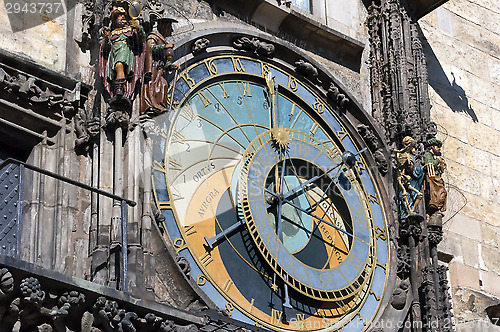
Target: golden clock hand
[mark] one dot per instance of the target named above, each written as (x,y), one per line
(323,220)
(348,159)
(271,92)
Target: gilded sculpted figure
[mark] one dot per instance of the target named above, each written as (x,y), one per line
(409,177)
(158,61)
(121,61)
(434,167)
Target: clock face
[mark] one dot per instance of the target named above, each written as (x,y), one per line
(278,230)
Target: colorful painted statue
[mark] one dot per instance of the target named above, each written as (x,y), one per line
(121,59)
(409,176)
(434,167)
(157,61)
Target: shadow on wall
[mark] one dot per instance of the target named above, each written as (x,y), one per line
(453,94)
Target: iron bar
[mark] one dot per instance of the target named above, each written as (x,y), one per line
(65,179)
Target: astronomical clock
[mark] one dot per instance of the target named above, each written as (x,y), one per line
(267,193)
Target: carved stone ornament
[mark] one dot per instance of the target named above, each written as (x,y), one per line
(254,45)
(307,69)
(85,128)
(398,300)
(183,264)
(200,45)
(116,119)
(375,147)
(412,226)
(435,236)
(400,106)
(403,265)
(336,97)
(36,91)
(84,35)
(6,283)
(29,309)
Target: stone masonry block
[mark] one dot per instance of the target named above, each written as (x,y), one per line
(479,208)
(491,236)
(478,160)
(491,282)
(464,276)
(465,226)
(460,176)
(491,259)
(454,149)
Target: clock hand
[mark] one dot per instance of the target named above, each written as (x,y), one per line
(348,158)
(271,92)
(323,220)
(222,235)
(316,236)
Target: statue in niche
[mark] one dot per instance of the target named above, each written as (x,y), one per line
(157,62)
(409,176)
(434,166)
(121,57)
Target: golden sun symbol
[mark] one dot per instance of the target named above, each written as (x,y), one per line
(280,136)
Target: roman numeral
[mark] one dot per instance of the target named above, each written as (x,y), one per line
(246,89)
(204,98)
(276,317)
(188,113)
(206,259)
(224,92)
(228,284)
(178,137)
(174,164)
(189,230)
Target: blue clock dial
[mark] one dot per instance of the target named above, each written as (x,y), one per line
(249,174)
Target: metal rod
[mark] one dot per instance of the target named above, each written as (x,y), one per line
(20,212)
(65,179)
(124,246)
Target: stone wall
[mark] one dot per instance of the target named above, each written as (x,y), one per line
(39,34)
(463,56)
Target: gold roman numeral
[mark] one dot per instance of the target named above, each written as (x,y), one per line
(227,285)
(276,316)
(224,92)
(174,164)
(204,99)
(159,166)
(189,230)
(246,89)
(165,205)
(206,259)
(188,113)
(178,137)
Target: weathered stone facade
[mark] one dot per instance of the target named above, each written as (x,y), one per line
(49,70)
(462,46)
